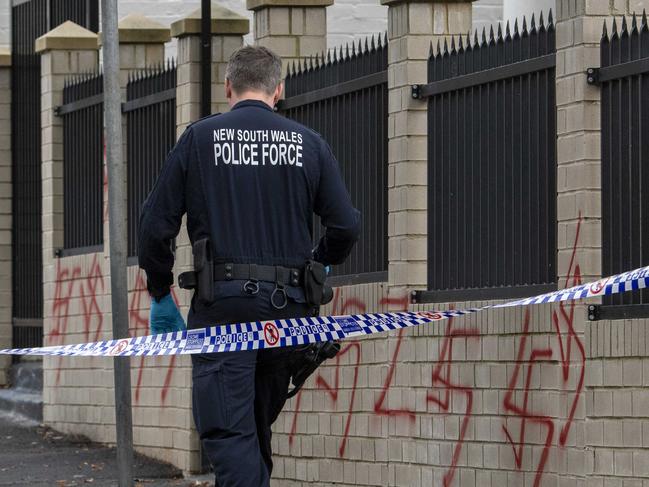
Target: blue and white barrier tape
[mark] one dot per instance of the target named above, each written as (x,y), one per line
(300,331)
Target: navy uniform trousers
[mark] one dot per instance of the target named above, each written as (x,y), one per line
(237,396)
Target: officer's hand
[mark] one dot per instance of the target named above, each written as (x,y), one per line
(165,316)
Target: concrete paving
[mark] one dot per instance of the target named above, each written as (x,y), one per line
(33,455)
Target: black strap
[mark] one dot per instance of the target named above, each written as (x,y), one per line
(254,272)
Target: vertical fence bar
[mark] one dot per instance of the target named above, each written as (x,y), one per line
(151,133)
(355,125)
(491,163)
(625,128)
(29,21)
(83,164)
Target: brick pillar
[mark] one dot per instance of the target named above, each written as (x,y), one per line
(141,45)
(65,51)
(579,31)
(228,29)
(5,211)
(412,26)
(294,29)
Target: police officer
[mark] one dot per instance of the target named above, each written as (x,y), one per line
(249,181)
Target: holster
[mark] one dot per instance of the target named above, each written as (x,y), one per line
(202,277)
(316,290)
(310,358)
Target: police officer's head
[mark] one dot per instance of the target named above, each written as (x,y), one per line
(254,72)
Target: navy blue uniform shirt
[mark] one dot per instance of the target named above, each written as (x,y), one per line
(250,180)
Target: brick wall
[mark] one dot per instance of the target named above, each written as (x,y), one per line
(445,404)
(516,397)
(616,435)
(617,402)
(78,393)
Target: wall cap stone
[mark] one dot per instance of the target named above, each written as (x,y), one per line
(396,2)
(138,29)
(224,21)
(67,36)
(5,57)
(258,4)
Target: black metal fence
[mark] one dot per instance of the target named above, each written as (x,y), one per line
(344,97)
(82,12)
(492,165)
(151,120)
(624,78)
(83,164)
(29,20)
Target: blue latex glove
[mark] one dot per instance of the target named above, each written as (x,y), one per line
(328,269)
(165,316)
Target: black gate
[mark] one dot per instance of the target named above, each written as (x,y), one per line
(492,165)
(83,162)
(624,78)
(151,127)
(345,98)
(29,20)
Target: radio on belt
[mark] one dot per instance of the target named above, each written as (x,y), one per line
(202,277)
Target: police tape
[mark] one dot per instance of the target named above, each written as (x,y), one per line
(302,331)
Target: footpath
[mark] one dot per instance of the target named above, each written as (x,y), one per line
(36,456)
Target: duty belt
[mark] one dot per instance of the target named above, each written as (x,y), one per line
(248,272)
(254,272)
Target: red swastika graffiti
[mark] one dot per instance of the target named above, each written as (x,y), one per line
(67,279)
(523,411)
(565,319)
(442,377)
(379,407)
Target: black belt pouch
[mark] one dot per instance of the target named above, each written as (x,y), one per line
(315,277)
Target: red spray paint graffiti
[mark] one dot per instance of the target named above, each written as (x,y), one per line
(70,284)
(88,288)
(339,307)
(94,284)
(333,391)
(379,408)
(345,307)
(63,293)
(522,411)
(565,320)
(139,323)
(442,378)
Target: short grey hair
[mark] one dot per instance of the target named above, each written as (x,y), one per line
(254,68)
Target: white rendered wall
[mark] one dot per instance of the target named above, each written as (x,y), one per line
(5,36)
(516,9)
(486,13)
(347,19)
(354,19)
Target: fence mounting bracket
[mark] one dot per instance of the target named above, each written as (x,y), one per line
(593,312)
(415,91)
(592,76)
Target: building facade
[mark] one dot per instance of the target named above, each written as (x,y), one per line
(547,395)
(348,19)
